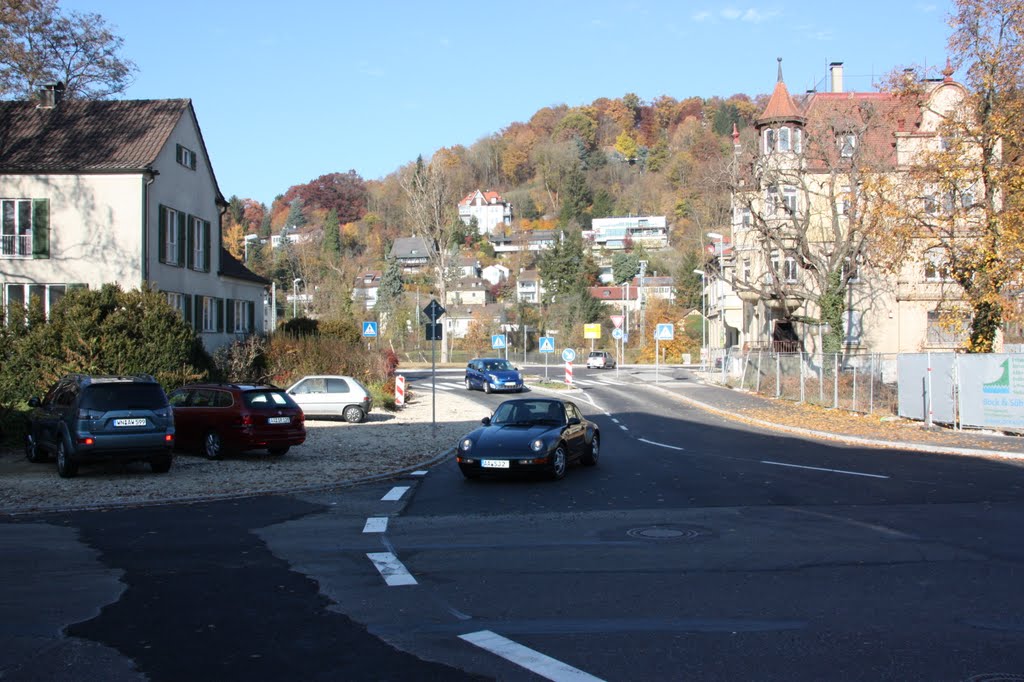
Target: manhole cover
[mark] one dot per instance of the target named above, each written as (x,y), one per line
(668,532)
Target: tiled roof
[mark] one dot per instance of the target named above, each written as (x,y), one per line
(410,247)
(232,267)
(86,136)
(888,114)
(489,197)
(781,106)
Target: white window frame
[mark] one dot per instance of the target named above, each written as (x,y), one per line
(242,324)
(788,198)
(847,145)
(170,236)
(936,267)
(177,301)
(784,139)
(186,157)
(209,314)
(798,140)
(15,236)
(198,244)
(769,140)
(853,326)
(792,269)
(27,290)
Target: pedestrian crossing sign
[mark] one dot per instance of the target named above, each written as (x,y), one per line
(369,329)
(547,344)
(665,332)
(497,341)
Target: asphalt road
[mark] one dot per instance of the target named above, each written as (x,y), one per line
(697,550)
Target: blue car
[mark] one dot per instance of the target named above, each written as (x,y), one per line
(493,374)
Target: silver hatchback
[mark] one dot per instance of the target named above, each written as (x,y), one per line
(600,359)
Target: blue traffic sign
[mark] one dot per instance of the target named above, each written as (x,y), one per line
(568,355)
(547,344)
(369,329)
(665,332)
(616,333)
(497,341)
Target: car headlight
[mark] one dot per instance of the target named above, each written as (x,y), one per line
(466,445)
(537,445)
(493,378)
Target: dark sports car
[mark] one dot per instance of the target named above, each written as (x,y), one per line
(540,435)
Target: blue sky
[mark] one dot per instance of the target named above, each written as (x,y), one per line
(288,91)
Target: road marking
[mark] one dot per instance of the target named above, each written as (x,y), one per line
(885,530)
(391,569)
(615,420)
(660,445)
(421,472)
(833,471)
(534,661)
(395,493)
(376,524)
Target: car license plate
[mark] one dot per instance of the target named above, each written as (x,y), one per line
(279,420)
(510,383)
(129,422)
(494,463)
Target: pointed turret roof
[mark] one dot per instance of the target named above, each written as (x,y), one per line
(781,107)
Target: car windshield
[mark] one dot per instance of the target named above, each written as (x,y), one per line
(497,365)
(123,396)
(528,412)
(268,399)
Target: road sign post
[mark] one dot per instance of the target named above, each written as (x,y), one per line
(433,311)
(664,331)
(546,345)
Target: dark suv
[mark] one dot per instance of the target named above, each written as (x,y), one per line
(86,418)
(217,419)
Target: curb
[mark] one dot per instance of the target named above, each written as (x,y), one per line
(843,438)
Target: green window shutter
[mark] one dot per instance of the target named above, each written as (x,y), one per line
(192,161)
(161,233)
(188,310)
(198,310)
(229,315)
(207,232)
(40,228)
(251,325)
(220,314)
(182,237)
(178,149)
(190,243)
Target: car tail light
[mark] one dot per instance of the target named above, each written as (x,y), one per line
(245,420)
(86,441)
(169,438)
(300,418)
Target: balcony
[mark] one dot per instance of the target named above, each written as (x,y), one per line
(16,246)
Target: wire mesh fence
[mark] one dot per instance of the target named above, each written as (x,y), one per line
(855,382)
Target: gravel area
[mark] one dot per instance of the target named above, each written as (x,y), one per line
(335,453)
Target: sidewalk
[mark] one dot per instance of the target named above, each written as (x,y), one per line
(829,424)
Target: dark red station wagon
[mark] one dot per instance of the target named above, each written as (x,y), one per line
(219,419)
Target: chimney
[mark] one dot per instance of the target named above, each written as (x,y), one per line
(51,95)
(835,70)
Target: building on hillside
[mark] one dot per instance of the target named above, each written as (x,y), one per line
(118,192)
(529,287)
(364,289)
(616,234)
(528,240)
(620,297)
(468,266)
(802,188)
(292,235)
(458,319)
(489,209)
(495,274)
(412,253)
(472,291)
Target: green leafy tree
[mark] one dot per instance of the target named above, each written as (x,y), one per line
(625,266)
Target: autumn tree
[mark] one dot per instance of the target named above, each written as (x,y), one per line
(41,44)
(966,198)
(345,193)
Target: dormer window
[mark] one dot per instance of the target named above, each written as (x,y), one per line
(847,145)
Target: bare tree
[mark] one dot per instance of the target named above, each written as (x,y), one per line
(40,44)
(432,211)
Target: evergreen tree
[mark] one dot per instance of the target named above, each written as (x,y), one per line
(295,217)
(575,196)
(564,268)
(332,234)
(265,226)
(625,267)
(391,287)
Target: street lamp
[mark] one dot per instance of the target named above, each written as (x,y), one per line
(248,238)
(295,297)
(703,342)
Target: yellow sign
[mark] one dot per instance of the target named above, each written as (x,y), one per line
(592,331)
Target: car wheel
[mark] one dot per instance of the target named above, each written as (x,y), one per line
(33,452)
(594,452)
(213,447)
(487,387)
(353,414)
(469,384)
(277,452)
(65,467)
(558,463)
(160,465)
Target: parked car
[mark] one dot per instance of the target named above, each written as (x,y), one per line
(600,359)
(493,374)
(332,396)
(84,418)
(220,419)
(538,435)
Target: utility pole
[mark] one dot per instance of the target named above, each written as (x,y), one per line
(643,305)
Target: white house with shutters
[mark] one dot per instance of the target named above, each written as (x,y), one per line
(98,192)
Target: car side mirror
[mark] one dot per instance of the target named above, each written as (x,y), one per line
(486,421)
(573,421)
(34,402)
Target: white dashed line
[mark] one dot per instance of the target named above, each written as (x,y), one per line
(391,569)
(616,420)
(421,472)
(660,445)
(833,471)
(376,524)
(534,661)
(395,493)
